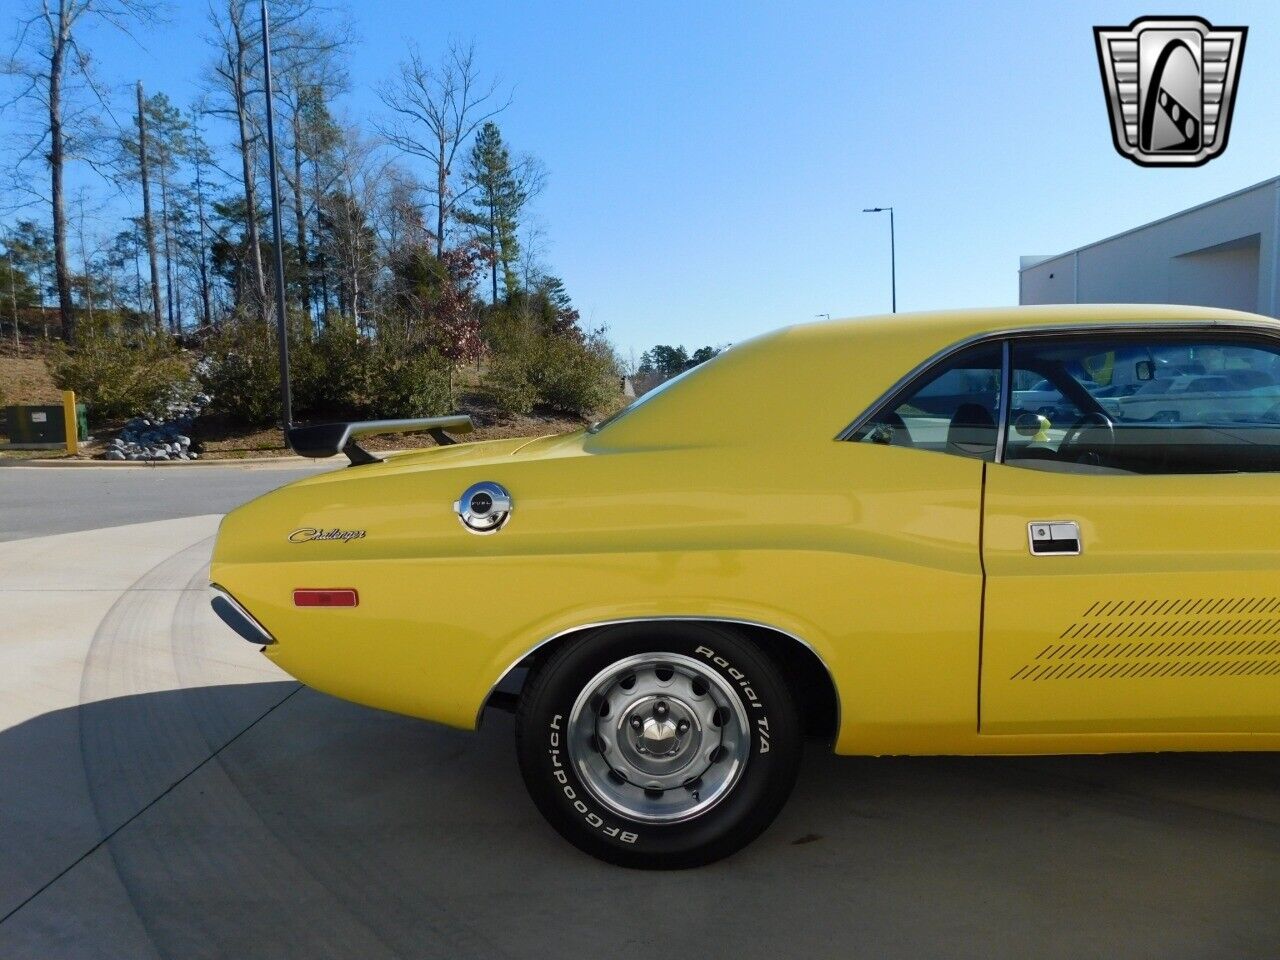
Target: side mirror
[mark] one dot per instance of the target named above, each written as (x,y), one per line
(1144,370)
(1030,424)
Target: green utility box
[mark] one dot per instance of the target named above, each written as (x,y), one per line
(41,424)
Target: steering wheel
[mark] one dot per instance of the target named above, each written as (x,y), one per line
(1090,440)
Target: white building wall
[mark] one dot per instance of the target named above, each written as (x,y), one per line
(1223,254)
(1224,276)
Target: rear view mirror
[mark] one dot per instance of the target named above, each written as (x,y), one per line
(1144,370)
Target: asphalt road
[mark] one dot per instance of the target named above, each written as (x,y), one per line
(165,792)
(36,501)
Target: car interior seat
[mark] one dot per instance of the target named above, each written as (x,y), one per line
(972,432)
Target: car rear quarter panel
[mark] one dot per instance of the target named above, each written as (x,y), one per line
(866,553)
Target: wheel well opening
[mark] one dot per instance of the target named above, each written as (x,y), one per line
(806,675)
(807,678)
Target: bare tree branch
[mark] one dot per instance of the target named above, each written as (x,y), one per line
(434,111)
(53,69)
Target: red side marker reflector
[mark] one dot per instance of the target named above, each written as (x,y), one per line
(326,598)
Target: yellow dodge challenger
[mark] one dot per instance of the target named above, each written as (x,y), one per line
(1016,531)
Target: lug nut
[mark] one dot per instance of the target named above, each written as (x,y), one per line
(660,710)
(682,726)
(636,723)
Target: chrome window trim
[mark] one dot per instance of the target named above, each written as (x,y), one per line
(1006,397)
(733,621)
(1060,330)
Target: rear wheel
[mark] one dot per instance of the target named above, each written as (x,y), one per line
(659,745)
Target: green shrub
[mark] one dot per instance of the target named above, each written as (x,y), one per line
(240,371)
(407,381)
(120,375)
(339,375)
(510,379)
(330,374)
(577,377)
(568,375)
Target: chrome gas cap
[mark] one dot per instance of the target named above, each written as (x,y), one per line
(483,507)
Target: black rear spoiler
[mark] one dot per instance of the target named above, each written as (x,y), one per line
(330,439)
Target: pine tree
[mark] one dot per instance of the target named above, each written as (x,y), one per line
(201,160)
(141,149)
(16,287)
(30,248)
(316,138)
(497,193)
(169,134)
(127,250)
(162,142)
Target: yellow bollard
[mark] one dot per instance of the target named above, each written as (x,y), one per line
(69,421)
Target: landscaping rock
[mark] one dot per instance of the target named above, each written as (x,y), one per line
(162,434)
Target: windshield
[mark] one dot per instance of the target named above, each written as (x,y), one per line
(641,401)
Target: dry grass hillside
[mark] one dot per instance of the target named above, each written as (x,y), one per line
(24,376)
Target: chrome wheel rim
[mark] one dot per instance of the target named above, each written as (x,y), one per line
(659,737)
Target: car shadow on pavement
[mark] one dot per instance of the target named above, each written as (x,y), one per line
(267,820)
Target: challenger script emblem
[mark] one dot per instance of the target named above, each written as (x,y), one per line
(1170,84)
(311,534)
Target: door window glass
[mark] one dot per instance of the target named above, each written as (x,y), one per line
(951,408)
(1157,404)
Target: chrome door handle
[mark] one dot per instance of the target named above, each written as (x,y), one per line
(1054,538)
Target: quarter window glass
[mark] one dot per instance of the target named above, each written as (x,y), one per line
(952,408)
(1160,404)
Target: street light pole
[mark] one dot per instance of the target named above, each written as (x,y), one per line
(893,254)
(893,262)
(282,324)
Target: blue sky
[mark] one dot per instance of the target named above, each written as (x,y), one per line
(709,161)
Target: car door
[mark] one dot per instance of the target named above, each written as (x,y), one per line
(1132,549)
(908,572)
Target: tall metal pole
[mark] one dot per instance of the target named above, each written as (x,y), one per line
(893,253)
(282,326)
(893,262)
(13,290)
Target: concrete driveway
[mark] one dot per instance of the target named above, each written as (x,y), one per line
(165,792)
